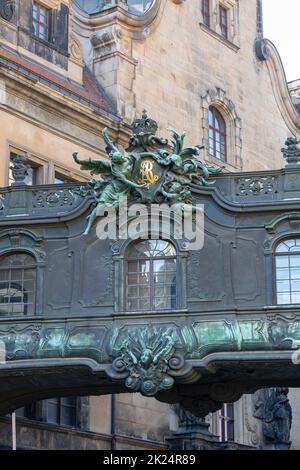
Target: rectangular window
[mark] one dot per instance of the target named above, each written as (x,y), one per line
(223,13)
(206,12)
(40,21)
(226,422)
(62,411)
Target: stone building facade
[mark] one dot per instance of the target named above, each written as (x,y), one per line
(71,68)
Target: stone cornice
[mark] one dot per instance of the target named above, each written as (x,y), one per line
(266,51)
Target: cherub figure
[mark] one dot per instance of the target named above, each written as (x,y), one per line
(115,181)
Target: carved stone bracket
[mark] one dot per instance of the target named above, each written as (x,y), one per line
(148,359)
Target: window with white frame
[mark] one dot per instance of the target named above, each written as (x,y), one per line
(287,267)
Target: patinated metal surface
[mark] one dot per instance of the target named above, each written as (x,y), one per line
(228,337)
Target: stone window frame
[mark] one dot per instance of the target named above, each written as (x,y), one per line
(283,227)
(217,98)
(151,295)
(37,162)
(233,37)
(119,249)
(17,244)
(47,168)
(37,23)
(276,255)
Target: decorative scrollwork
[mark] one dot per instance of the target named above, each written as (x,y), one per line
(146,170)
(59,197)
(146,358)
(257,186)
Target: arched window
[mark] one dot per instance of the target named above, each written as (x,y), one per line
(217,134)
(287,263)
(151,273)
(17,284)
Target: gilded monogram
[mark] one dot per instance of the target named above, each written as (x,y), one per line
(147,175)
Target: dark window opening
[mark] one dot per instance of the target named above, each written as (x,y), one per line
(206,12)
(151,274)
(217,135)
(62,411)
(59,411)
(223,21)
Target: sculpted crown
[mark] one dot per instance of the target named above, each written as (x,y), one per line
(144,125)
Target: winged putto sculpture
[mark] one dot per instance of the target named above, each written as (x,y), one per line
(149,170)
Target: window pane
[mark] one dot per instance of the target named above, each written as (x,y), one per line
(68,411)
(283,273)
(295,297)
(295,273)
(52,411)
(282,261)
(283,286)
(283,299)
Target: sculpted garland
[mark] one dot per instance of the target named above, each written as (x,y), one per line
(147,171)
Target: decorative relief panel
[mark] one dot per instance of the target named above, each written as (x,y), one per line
(53,199)
(96,263)
(208,267)
(258,186)
(245,252)
(60,288)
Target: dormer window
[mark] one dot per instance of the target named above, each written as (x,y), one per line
(40,21)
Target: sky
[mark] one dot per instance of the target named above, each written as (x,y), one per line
(282,27)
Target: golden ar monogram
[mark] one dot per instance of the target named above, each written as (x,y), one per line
(147,175)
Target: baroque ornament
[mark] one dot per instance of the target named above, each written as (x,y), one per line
(7,9)
(146,358)
(147,170)
(273,408)
(292,151)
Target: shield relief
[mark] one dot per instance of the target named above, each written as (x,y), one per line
(149,173)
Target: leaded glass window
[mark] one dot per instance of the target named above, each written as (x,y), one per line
(151,276)
(287,264)
(17,284)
